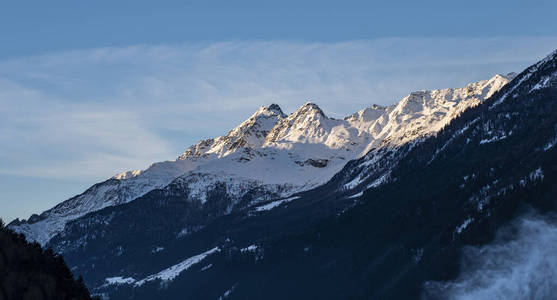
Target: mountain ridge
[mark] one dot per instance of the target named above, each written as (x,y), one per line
(398,240)
(289,153)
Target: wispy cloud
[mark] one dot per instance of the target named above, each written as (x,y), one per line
(91,113)
(45,137)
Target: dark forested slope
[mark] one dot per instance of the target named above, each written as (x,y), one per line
(29,272)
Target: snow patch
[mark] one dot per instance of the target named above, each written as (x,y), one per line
(493,139)
(157,249)
(463,226)
(172,272)
(250,248)
(379,181)
(356,195)
(119,280)
(541,84)
(537,174)
(227,293)
(552,142)
(274,204)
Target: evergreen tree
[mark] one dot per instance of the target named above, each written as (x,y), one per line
(28,272)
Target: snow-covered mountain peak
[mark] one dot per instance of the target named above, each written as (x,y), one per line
(284,153)
(309,108)
(276,109)
(308,124)
(309,135)
(486,88)
(475,91)
(423,112)
(249,134)
(266,111)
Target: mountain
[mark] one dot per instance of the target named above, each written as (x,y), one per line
(29,272)
(271,155)
(393,223)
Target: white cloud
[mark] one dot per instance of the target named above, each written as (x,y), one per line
(520,264)
(95,112)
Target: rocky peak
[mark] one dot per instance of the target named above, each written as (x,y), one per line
(470,95)
(305,123)
(309,108)
(276,109)
(250,134)
(267,111)
(486,88)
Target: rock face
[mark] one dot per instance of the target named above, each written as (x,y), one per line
(29,272)
(280,153)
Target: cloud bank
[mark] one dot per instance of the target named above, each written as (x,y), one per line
(88,114)
(520,264)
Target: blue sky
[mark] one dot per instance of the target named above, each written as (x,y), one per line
(88,90)
(30,27)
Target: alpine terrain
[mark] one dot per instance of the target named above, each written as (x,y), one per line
(271,155)
(387,203)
